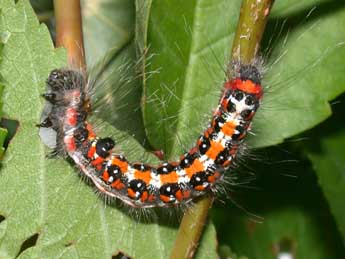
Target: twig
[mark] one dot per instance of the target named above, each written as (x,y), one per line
(69,32)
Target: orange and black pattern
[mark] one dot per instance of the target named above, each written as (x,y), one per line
(139,184)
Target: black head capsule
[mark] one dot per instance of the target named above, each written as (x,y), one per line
(104,146)
(50,97)
(63,79)
(250,72)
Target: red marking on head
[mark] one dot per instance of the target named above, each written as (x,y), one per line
(71,117)
(76,93)
(69,143)
(246,86)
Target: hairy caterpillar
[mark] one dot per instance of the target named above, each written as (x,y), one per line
(139,184)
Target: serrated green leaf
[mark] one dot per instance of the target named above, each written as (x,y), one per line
(45,196)
(28,56)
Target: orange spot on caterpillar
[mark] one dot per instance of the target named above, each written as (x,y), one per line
(144,196)
(98,161)
(179,195)
(172,177)
(145,176)
(105,176)
(118,185)
(92,134)
(211,179)
(199,188)
(214,150)
(91,152)
(228,128)
(123,165)
(164,198)
(197,166)
(131,193)
(151,197)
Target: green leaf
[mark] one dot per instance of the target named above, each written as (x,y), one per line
(108,28)
(190,42)
(45,199)
(107,25)
(27,57)
(283,214)
(191,49)
(42,5)
(307,75)
(326,152)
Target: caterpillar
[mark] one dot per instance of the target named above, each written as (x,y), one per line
(142,185)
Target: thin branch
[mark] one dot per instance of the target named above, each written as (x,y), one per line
(250,28)
(69,32)
(251,25)
(191,228)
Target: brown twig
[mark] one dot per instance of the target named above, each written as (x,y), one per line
(251,25)
(250,28)
(69,32)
